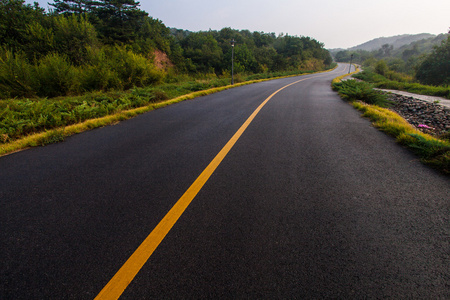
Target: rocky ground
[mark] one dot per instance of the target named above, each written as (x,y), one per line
(431,118)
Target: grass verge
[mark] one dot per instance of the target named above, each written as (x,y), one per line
(146,99)
(413,87)
(431,151)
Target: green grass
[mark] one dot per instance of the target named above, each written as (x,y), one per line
(402,84)
(352,90)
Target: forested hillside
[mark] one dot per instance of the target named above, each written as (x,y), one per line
(426,60)
(83,45)
(396,41)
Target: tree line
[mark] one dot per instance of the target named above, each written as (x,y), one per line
(427,61)
(81,45)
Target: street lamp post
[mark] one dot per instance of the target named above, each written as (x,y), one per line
(350,67)
(232,60)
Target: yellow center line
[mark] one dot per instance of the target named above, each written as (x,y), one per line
(117,285)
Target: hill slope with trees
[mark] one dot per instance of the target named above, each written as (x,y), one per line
(84,45)
(396,41)
(425,61)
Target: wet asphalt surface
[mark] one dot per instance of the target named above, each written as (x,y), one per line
(312,202)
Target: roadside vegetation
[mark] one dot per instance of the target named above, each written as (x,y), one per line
(33,122)
(423,67)
(425,61)
(398,81)
(97,62)
(433,151)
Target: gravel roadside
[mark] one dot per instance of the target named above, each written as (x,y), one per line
(428,114)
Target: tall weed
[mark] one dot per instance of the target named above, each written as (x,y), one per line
(17,77)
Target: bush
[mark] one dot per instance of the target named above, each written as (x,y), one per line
(56,76)
(132,69)
(381,67)
(16,75)
(353,90)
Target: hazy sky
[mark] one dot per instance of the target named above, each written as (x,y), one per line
(336,23)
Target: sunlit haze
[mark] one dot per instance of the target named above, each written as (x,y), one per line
(337,24)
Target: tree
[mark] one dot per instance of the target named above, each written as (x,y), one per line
(73,6)
(204,51)
(14,19)
(72,35)
(385,50)
(435,69)
(120,20)
(154,34)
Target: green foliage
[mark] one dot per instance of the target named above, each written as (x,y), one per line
(120,20)
(398,81)
(405,59)
(435,70)
(103,45)
(40,41)
(72,35)
(17,77)
(14,19)
(72,7)
(381,68)
(97,73)
(153,34)
(428,148)
(56,76)
(21,117)
(132,69)
(204,52)
(359,56)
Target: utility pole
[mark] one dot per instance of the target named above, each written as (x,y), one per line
(232,61)
(350,67)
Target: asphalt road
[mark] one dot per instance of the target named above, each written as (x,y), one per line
(311,202)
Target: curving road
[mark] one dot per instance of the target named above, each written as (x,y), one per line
(310,202)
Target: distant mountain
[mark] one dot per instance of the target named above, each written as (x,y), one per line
(397,41)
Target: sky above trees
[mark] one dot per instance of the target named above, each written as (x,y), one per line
(338,24)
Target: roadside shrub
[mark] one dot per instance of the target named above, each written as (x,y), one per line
(400,77)
(133,69)
(98,73)
(56,76)
(99,78)
(352,90)
(16,75)
(381,67)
